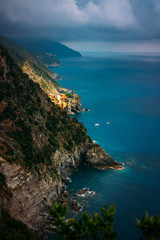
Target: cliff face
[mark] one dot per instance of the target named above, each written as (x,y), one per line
(32,194)
(40,145)
(75,105)
(34,191)
(86,154)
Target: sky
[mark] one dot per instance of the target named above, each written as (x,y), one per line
(103,25)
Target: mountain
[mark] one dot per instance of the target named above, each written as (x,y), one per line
(40,145)
(47,46)
(48,59)
(21,57)
(39,73)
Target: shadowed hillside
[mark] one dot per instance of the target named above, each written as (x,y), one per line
(20,56)
(47,46)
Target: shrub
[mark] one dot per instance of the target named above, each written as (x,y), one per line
(150,227)
(86,227)
(12,229)
(97,226)
(53,141)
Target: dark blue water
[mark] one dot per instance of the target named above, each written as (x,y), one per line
(125,91)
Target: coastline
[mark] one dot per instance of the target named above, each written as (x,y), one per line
(128,189)
(43,184)
(118,166)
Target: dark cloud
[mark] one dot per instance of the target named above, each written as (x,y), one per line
(116,20)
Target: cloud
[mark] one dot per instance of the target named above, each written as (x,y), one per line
(42,13)
(111,13)
(82,19)
(67,13)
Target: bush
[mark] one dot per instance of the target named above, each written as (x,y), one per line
(53,142)
(52,123)
(150,227)
(87,227)
(96,226)
(24,138)
(12,229)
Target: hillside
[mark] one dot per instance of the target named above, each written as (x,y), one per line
(40,145)
(39,73)
(47,46)
(21,56)
(48,59)
(26,107)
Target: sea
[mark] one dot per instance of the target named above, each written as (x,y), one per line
(122,93)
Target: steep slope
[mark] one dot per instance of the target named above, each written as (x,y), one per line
(47,46)
(39,146)
(20,56)
(42,75)
(49,59)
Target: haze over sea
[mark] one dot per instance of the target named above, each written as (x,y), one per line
(123,90)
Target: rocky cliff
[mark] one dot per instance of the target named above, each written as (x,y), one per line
(40,145)
(32,193)
(39,73)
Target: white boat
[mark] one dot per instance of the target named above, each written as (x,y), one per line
(96,124)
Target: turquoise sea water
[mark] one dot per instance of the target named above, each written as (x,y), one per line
(123,90)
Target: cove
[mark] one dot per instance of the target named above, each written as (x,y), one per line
(123,90)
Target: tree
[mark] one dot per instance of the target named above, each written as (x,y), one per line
(97,226)
(150,227)
(86,227)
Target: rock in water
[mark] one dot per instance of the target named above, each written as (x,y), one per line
(75,206)
(83,191)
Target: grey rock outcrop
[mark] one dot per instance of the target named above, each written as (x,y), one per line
(88,154)
(32,194)
(76,105)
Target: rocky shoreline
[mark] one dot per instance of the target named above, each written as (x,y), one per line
(40,147)
(33,193)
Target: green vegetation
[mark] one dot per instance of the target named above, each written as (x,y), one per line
(34,127)
(47,58)
(24,138)
(97,226)
(93,226)
(150,227)
(12,229)
(20,56)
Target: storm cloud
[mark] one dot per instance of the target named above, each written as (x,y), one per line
(66,20)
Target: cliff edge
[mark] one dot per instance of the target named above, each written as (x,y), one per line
(39,145)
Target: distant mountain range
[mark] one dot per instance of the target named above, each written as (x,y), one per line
(47,46)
